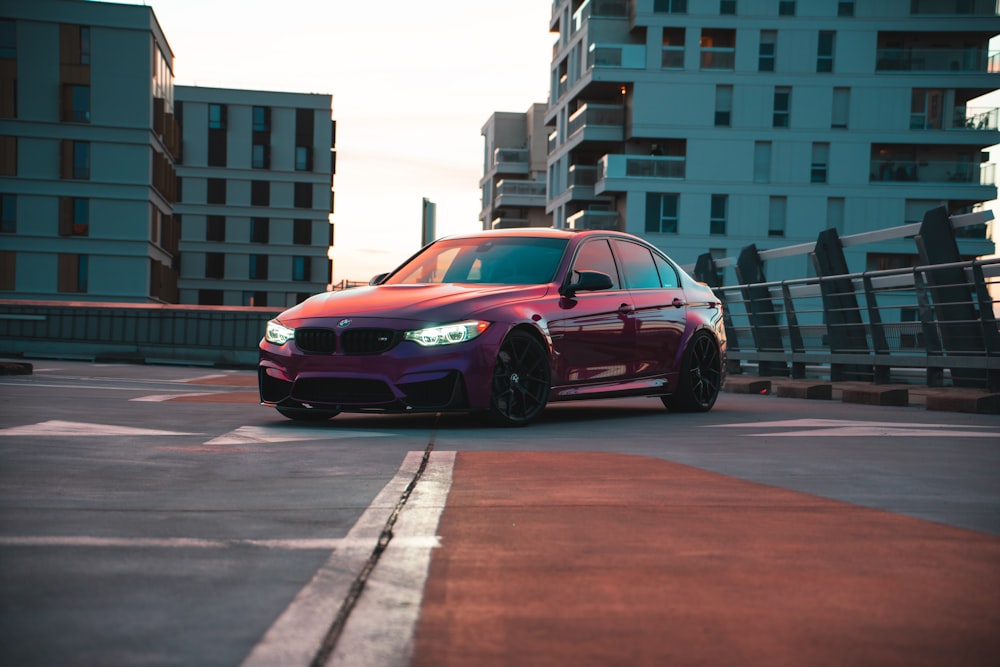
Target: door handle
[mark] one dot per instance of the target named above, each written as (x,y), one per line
(626,308)
(677,303)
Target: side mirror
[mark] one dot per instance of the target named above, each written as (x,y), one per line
(378,279)
(589,281)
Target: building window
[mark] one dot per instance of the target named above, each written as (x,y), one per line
(72,273)
(215,265)
(216,193)
(723,106)
(8,156)
(303,158)
(261,119)
(824,51)
(718,48)
(76,103)
(782,106)
(767,51)
(925,109)
(303,195)
(845,8)
(727,7)
(260,230)
(841,108)
(260,156)
(84,45)
(8,213)
(661,213)
(260,193)
(786,8)
(8,39)
(776,217)
(254,298)
(74,216)
(670,6)
(302,232)
(8,270)
(216,116)
(717,221)
(217,148)
(820,162)
(762,162)
(258,267)
(835,214)
(673,49)
(75,159)
(215,229)
(300,268)
(210,297)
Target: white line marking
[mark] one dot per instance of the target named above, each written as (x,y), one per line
(380,629)
(249,435)
(63,428)
(295,637)
(159,398)
(204,378)
(845,428)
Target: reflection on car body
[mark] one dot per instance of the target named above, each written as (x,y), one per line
(500,323)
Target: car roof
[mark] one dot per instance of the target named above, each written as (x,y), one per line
(542,232)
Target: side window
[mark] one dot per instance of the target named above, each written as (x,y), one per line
(596,256)
(637,265)
(668,274)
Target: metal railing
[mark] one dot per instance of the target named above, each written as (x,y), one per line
(875,326)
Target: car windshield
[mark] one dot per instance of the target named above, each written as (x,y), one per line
(501,261)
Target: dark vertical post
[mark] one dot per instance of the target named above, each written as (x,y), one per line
(845,328)
(952,294)
(706,271)
(763,318)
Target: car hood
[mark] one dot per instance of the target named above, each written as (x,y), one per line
(425,303)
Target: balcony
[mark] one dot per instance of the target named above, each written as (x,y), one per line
(598,8)
(961,118)
(618,173)
(602,122)
(950,172)
(511,160)
(593,220)
(509,223)
(513,193)
(617,56)
(718,58)
(936,60)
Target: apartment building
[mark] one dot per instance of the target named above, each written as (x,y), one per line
(87,147)
(513,182)
(709,125)
(255,196)
(115,185)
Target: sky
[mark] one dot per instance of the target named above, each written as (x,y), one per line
(413,83)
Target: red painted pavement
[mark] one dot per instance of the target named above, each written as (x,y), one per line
(582,559)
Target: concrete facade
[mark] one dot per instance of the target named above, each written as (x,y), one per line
(256,196)
(706,126)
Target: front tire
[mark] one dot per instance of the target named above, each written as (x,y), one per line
(521,378)
(700,378)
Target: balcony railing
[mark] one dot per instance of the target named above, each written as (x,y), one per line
(511,160)
(934,60)
(931,171)
(961,118)
(514,193)
(672,57)
(593,220)
(624,56)
(580,175)
(599,8)
(723,58)
(603,115)
(636,166)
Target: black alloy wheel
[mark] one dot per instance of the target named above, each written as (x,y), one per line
(521,378)
(700,378)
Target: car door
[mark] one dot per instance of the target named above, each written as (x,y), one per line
(660,307)
(591,331)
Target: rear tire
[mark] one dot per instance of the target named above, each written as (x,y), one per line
(307,414)
(521,378)
(700,378)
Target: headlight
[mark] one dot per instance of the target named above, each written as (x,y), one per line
(447,334)
(278,333)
